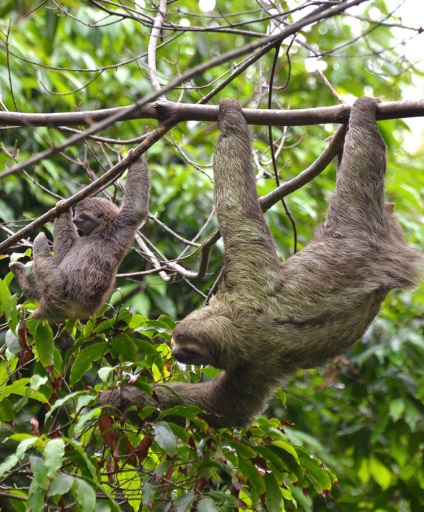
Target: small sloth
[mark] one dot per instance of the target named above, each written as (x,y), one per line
(269,318)
(78,279)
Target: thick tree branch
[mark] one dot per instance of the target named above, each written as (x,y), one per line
(186,112)
(197,112)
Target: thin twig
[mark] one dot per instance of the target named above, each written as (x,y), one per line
(331,151)
(150,256)
(151,51)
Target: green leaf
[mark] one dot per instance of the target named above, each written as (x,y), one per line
(170,322)
(53,456)
(224,498)
(105,326)
(27,443)
(84,495)
(8,305)
(7,412)
(210,371)
(39,472)
(125,347)
(137,321)
(83,419)
(44,343)
(12,342)
(18,505)
(148,493)
(273,497)
(161,324)
(130,483)
(84,399)
(287,447)
(272,458)
(380,473)
(36,498)
(413,415)
(397,408)
(180,432)
(19,387)
(380,427)
(85,464)
(207,505)
(163,302)
(51,25)
(185,411)
(104,373)
(63,400)
(84,360)
(288,455)
(37,381)
(183,503)
(165,438)
(141,304)
(147,347)
(317,475)
(61,484)
(249,471)
(243,448)
(8,464)
(281,396)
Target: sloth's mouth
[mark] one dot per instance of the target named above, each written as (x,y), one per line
(188,355)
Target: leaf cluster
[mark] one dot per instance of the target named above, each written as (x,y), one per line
(80,455)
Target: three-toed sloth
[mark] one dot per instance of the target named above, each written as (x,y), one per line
(78,279)
(269,318)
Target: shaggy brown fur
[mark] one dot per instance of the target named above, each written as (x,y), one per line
(268,318)
(78,279)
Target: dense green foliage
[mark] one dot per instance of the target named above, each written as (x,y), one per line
(358,421)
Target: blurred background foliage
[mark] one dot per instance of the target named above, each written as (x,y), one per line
(361,417)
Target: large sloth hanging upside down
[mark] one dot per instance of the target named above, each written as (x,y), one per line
(270,318)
